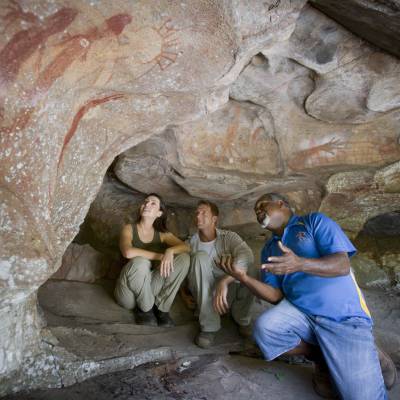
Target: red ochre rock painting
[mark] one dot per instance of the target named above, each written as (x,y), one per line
(343,151)
(167,56)
(26,42)
(72,130)
(79,115)
(76,47)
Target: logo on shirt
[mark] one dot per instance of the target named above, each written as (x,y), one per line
(301,236)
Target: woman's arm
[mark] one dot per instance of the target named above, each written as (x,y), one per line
(128,251)
(175,245)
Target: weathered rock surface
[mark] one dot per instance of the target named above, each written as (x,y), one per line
(388,179)
(224,100)
(317,107)
(353,198)
(187,378)
(368,274)
(377,21)
(149,167)
(85,81)
(82,263)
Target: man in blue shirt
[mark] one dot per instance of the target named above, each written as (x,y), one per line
(322,313)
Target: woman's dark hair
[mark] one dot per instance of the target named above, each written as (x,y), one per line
(160,223)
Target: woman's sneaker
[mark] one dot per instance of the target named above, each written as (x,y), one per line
(163,318)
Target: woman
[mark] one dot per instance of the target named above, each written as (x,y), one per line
(159,262)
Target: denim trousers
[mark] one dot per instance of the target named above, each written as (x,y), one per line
(348,347)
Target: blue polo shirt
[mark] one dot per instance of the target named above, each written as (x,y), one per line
(314,236)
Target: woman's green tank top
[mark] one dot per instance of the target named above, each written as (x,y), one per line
(156,245)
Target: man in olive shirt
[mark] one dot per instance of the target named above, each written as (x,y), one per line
(216,292)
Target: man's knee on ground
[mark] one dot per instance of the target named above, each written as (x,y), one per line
(267,334)
(268,326)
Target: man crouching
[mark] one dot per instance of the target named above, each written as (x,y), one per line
(320,312)
(216,292)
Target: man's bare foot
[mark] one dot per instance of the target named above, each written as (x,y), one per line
(322,383)
(388,368)
(252,352)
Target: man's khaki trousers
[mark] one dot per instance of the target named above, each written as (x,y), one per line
(202,280)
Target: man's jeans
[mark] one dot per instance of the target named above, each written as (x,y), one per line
(348,347)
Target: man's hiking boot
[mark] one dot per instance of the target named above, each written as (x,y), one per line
(205,339)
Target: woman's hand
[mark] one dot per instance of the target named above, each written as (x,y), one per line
(167,263)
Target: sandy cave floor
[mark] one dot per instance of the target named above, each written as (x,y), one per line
(90,325)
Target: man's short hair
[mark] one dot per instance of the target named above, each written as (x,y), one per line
(274,197)
(213,207)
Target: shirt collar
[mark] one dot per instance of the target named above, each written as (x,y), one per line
(219,232)
(293,220)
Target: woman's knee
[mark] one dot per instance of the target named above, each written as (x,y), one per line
(138,266)
(183,259)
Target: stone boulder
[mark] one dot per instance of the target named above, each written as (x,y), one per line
(368,273)
(388,179)
(149,168)
(222,157)
(82,263)
(353,199)
(317,105)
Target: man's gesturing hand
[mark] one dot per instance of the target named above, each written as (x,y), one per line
(288,263)
(226,264)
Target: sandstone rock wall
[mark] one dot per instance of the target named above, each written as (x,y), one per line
(217,99)
(80,83)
